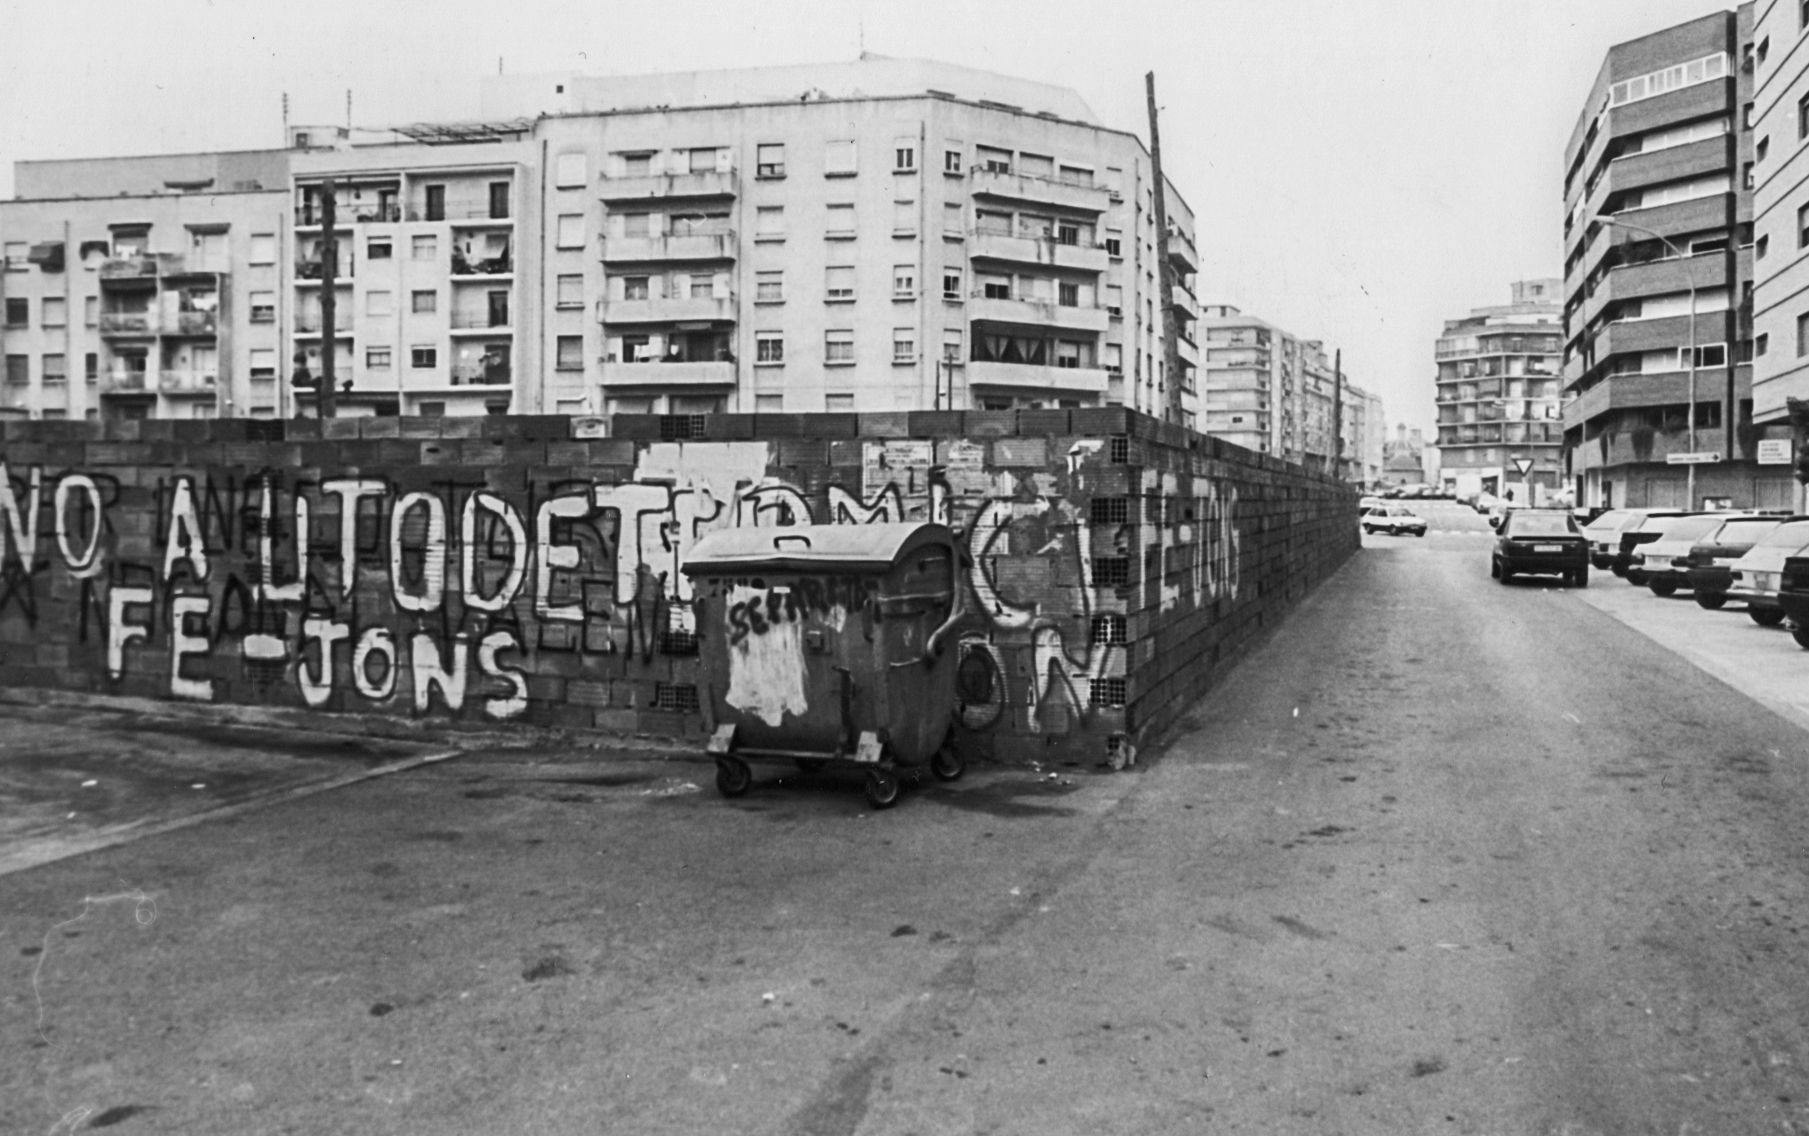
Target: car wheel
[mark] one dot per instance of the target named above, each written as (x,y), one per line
(1766,616)
(1618,570)
(1711,601)
(1800,633)
(1662,587)
(1582,577)
(1506,574)
(1421,532)
(1494,568)
(1369,530)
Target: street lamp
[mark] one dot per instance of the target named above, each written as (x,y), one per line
(1690,490)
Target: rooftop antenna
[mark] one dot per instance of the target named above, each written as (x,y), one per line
(285,119)
(499,60)
(860,24)
(348,110)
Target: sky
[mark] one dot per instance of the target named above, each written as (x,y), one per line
(1361,170)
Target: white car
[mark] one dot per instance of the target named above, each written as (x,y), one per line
(1391,518)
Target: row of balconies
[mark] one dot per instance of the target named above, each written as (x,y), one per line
(123,381)
(135,325)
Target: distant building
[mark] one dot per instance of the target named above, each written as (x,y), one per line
(1270,391)
(1404,458)
(1780,188)
(1497,394)
(878,235)
(1658,269)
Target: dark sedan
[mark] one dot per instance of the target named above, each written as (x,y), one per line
(1540,542)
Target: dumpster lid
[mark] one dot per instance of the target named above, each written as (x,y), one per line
(812,548)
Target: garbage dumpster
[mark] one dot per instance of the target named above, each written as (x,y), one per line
(829,644)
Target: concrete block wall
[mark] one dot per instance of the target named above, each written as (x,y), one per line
(527,568)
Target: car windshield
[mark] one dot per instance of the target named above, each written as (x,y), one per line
(1608,522)
(1688,528)
(1540,524)
(1653,524)
(1793,535)
(1743,530)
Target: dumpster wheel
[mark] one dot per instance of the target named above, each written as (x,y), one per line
(732,776)
(882,788)
(947,763)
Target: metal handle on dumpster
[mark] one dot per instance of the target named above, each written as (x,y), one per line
(932,648)
(790,536)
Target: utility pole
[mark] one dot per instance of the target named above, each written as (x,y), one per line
(1171,351)
(1337,458)
(324,402)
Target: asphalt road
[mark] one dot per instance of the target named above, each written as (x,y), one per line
(1441,856)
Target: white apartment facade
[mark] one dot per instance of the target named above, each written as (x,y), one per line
(882,235)
(1780,188)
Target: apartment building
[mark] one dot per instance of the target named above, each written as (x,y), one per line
(876,235)
(1273,392)
(1780,323)
(1658,273)
(143,287)
(1498,395)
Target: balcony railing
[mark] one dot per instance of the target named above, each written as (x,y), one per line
(640,187)
(479,321)
(481,375)
(187,382)
(125,382)
(1030,187)
(488,266)
(128,323)
(197,323)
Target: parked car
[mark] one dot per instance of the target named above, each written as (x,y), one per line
(1793,597)
(1652,564)
(1708,567)
(1604,536)
(1486,501)
(1757,576)
(1643,527)
(1395,519)
(1366,503)
(1542,542)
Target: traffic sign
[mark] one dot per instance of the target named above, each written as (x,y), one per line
(1705,457)
(1523,466)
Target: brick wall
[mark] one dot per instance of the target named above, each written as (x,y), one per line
(526,568)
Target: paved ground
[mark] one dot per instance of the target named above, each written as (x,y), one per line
(1442,856)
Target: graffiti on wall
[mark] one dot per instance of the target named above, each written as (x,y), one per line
(446,595)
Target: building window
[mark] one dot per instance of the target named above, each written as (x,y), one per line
(1764,50)
(376,358)
(839,158)
(1762,344)
(1802,118)
(377,248)
(1802,226)
(570,171)
(904,345)
(992,159)
(420,302)
(422,358)
(424,246)
(838,283)
(1763,148)
(571,353)
(383,303)
(769,348)
(904,156)
(263,307)
(951,283)
(838,403)
(1761,247)
(637,164)
(91,311)
(18,369)
(263,364)
(56,311)
(841,222)
(838,348)
(769,223)
(17,256)
(637,287)
(263,248)
(1746,178)
(18,311)
(571,230)
(54,369)
(1113,248)
(952,219)
(904,282)
(769,286)
(769,160)
(91,367)
(953,162)
(570,293)
(904,218)
(1067,295)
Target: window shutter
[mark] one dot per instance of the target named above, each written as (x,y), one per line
(615,348)
(723,157)
(681,285)
(719,285)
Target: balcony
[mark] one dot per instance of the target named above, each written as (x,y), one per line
(1673,163)
(673,246)
(482,322)
(690,375)
(1656,278)
(310,325)
(488,267)
(310,272)
(1669,332)
(1043,252)
(482,375)
(670,309)
(1182,255)
(195,323)
(1038,313)
(129,324)
(1041,191)
(653,187)
(1028,377)
(127,269)
(188,382)
(124,382)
